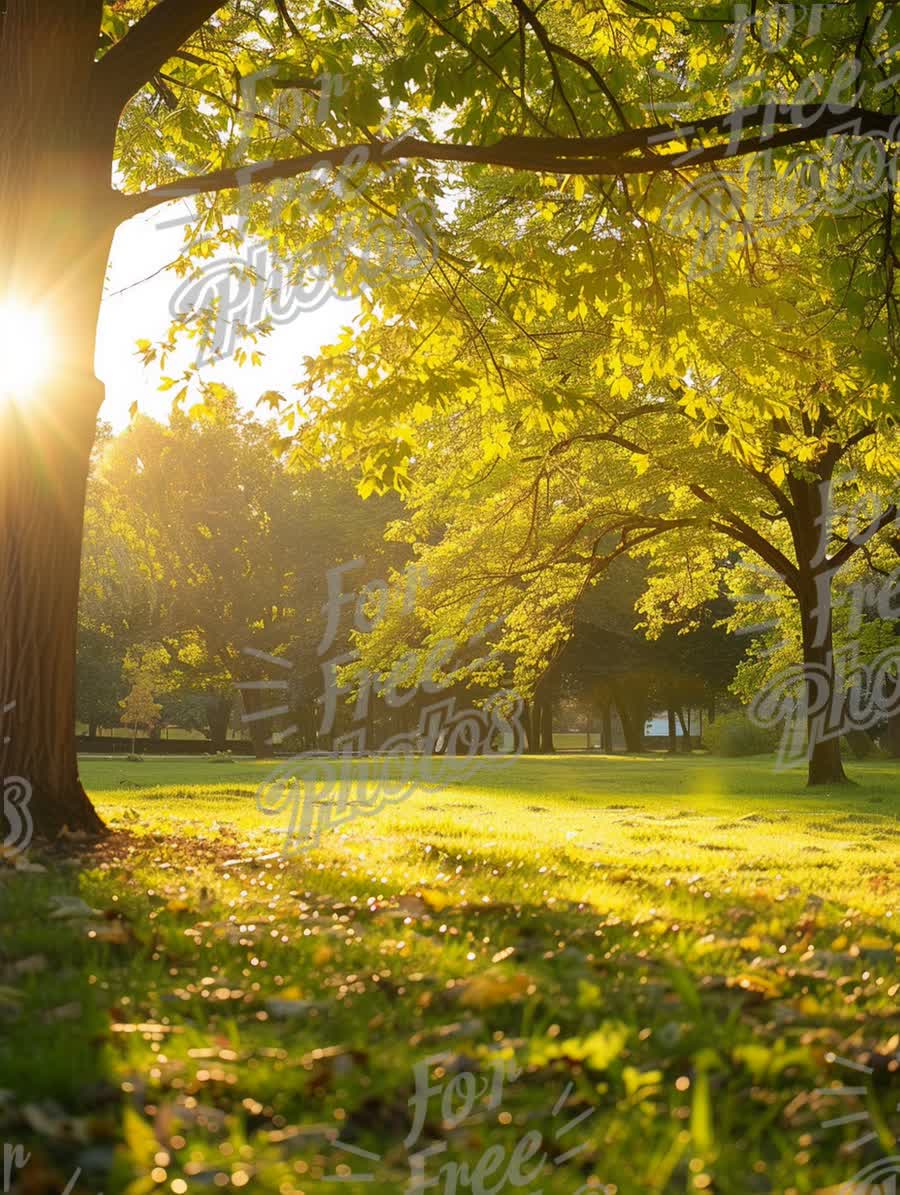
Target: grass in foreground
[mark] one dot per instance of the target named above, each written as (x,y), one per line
(669,950)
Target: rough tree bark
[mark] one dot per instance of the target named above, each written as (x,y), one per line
(809,528)
(59,111)
(825,765)
(56,229)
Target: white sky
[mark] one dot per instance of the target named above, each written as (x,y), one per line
(143,247)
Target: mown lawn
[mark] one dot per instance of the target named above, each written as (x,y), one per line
(675,954)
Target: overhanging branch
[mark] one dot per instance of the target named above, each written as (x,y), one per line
(618,154)
(148,46)
(734,526)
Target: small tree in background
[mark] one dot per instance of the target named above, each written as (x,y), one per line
(139,709)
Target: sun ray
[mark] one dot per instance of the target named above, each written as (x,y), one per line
(27,350)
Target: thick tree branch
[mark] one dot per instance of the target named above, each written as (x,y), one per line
(856,438)
(599,438)
(734,526)
(147,46)
(839,559)
(610,155)
(647,530)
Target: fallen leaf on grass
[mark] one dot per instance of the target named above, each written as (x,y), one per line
(485,991)
(470,1028)
(113,933)
(405,906)
(756,981)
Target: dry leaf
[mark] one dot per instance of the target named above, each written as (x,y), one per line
(485,991)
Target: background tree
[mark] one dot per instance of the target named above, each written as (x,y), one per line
(761,452)
(99,681)
(240,552)
(139,709)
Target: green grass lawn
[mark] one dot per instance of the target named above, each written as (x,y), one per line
(656,960)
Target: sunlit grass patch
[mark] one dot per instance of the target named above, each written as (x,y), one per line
(683,951)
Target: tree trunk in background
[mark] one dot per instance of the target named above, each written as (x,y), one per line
(260,728)
(531,723)
(526,726)
(686,745)
(537,712)
(632,729)
(631,704)
(606,737)
(546,706)
(824,754)
(218,716)
(673,731)
(891,738)
(860,743)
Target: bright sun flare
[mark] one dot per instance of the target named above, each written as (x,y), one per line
(26,349)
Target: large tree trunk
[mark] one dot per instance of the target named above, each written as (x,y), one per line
(56,226)
(42,487)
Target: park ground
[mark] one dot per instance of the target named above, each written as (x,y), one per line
(677,955)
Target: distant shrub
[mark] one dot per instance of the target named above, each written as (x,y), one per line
(734,734)
(220,757)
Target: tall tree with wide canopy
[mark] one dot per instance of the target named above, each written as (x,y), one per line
(91,92)
(546,429)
